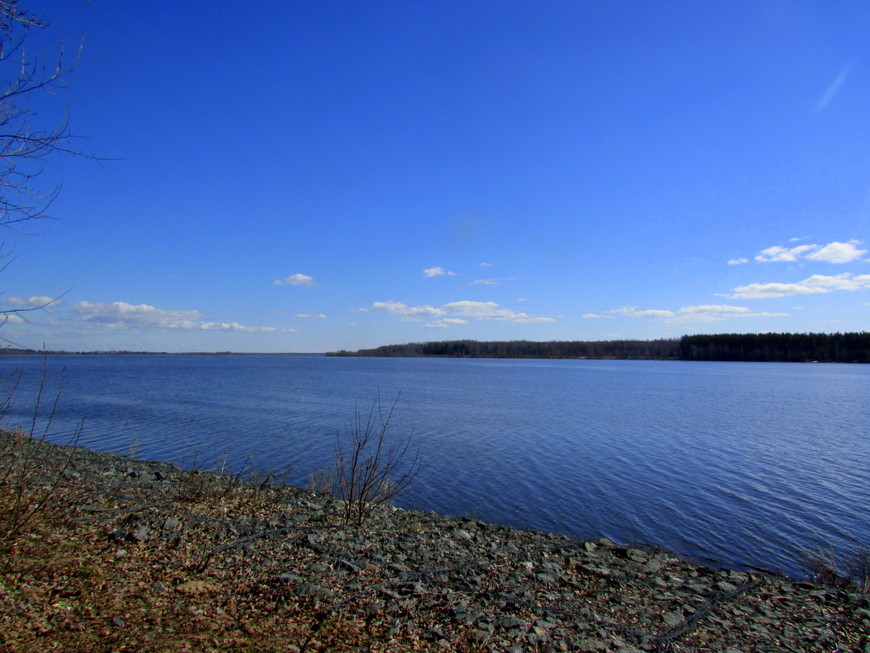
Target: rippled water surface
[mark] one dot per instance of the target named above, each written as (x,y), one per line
(746,464)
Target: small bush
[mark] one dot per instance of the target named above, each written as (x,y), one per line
(197,484)
(371,469)
(29,474)
(321,482)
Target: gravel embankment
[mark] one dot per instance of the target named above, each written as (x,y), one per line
(136,555)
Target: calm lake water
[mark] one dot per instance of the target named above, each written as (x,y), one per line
(743,464)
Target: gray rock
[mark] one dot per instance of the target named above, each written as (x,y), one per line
(672,618)
(141,533)
(509,623)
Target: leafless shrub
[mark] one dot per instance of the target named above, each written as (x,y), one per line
(29,475)
(849,570)
(322,481)
(197,484)
(371,466)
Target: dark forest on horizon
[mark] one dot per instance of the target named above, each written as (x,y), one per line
(749,347)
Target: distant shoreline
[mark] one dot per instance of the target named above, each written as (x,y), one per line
(731,347)
(39,352)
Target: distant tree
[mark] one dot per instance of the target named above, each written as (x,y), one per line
(629,349)
(778,347)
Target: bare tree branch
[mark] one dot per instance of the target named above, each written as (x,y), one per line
(24,146)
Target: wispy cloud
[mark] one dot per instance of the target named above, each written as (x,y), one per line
(405,312)
(832,90)
(816,284)
(686,315)
(489,282)
(835,252)
(738,261)
(486,265)
(295,280)
(631,311)
(446,323)
(319,316)
(716,313)
(778,254)
(437,272)
(30,302)
(119,315)
(491,311)
(465,309)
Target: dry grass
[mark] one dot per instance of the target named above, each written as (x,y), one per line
(69,582)
(848,570)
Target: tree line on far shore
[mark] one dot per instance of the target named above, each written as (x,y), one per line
(762,347)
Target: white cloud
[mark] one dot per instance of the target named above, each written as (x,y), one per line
(687,314)
(405,312)
(231,326)
(437,272)
(835,252)
(486,265)
(11,318)
(295,280)
(445,323)
(118,315)
(31,302)
(777,254)
(631,311)
(771,290)
(816,284)
(597,316)
(838,252)
(489,282)
(717,312)
(489,311)
(319,316)
(714,308)
(654,313)
(625,310)
(738,261)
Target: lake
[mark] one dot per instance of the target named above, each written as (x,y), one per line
(740,464)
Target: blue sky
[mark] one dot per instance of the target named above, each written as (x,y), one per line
(310,176)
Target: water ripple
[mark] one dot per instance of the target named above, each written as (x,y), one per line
(746,464)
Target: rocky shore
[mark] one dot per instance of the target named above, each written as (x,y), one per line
(136,555)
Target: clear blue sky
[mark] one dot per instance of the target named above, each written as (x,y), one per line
(309,176)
